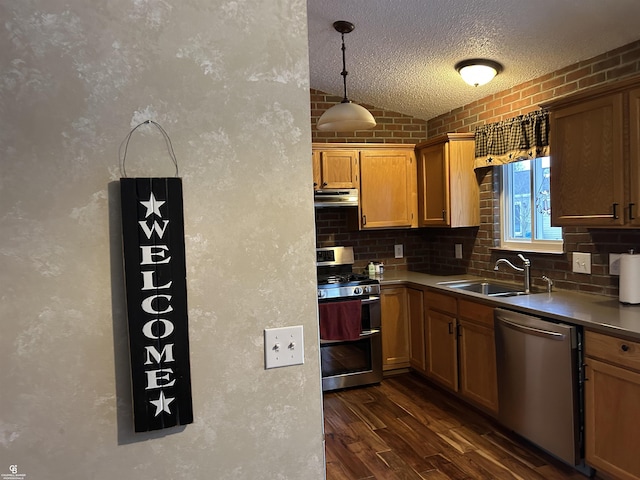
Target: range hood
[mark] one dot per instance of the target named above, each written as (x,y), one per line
(336,197)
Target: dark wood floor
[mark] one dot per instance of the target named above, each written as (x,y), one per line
(406,429)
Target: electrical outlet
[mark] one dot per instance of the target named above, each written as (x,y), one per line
(614,264)
(581,262)
(398,251)
(283,347)
(458,250)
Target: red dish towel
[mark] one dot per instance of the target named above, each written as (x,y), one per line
(340,320)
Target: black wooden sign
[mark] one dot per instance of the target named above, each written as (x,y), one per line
(156,289)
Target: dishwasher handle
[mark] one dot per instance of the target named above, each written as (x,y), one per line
(532,330)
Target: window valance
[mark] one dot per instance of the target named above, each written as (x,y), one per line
(520,138)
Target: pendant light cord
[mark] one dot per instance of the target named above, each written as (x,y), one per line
(344,72)
(125,143)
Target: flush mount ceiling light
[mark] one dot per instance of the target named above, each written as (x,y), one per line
(345,116)
(478,71)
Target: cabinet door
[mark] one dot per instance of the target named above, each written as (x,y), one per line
(448,192)
(415,304)
(395,328)
(478,373)
(587,168)
(633,214)
(612,419)
(442,364)
(317,177)
(433,186)
(388,189)
(338,168)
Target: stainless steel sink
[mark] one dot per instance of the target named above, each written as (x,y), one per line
(485,287)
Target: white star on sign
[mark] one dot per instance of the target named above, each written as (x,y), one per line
(153,206)
(162,404)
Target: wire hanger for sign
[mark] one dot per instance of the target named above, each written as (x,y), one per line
(125,144)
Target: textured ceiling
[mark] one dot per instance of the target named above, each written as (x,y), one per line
(402,53)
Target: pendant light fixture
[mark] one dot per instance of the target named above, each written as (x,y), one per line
(478,71)
(345,116)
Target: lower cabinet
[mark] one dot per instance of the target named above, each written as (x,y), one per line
(395,328)
(477,354)
(446,338)
(441,341)
(416,315)
(612,405)
(460,348)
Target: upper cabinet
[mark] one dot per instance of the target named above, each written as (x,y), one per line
(448,192)
(595,179)
(335,169)
(384,174)
(388,195)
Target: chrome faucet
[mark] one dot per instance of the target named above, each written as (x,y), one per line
(526,265)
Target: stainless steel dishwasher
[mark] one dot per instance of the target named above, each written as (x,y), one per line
(539,389)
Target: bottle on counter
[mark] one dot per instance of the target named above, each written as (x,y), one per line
(372,269)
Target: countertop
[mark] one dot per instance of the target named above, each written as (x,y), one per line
(595,312)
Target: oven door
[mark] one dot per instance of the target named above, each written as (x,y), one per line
(350,363)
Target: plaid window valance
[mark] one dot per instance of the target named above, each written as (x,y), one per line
(520,138)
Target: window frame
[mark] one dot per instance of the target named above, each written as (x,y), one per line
(524,245)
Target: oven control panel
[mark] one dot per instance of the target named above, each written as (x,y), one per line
(348,291)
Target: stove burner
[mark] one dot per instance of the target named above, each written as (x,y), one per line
(342,278)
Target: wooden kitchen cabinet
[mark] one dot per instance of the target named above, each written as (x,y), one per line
(395,328)
(634,157)
(384,174)
(477,354)
(460,348)
(416,316)
(441,341)
(595,180)
(335,168)
(612,397)
(448,192)
(388,191)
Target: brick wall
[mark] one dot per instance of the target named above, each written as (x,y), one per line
(432,250)
(392,127)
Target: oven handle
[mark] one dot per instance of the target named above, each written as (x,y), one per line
(363,335)
(370,300)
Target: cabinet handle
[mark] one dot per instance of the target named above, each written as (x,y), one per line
(450,328)
(324,184)
(615,211)
(444,214)
(631,217)
(584,372)
(364,219)
(458,331)
(624,347)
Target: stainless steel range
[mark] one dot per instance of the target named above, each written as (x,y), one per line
(349,315)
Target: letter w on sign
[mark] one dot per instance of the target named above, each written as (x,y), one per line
(156,290)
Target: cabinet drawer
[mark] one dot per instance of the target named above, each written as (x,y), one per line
(475,312)
(444,303)
(612,349)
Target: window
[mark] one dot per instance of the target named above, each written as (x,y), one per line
(526,207)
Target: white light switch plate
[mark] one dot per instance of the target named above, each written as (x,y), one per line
(398,250)
(581,262)
(458,250)
(283,346)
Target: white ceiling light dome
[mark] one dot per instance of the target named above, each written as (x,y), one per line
(478,71)
(346,117)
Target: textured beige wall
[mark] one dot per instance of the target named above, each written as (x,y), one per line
(228,80)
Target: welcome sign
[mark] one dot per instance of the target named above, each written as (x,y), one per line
(156,290)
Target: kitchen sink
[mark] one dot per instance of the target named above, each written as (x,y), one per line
(489,288)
